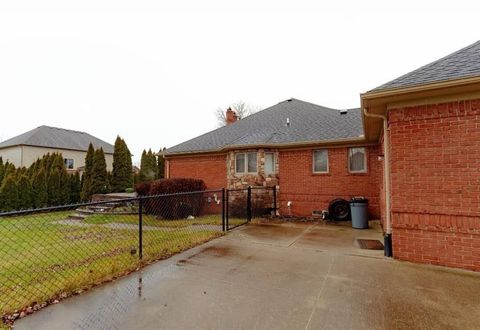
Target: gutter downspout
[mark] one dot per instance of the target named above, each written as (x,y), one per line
(386,172)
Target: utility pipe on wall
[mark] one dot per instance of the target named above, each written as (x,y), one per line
(386,174)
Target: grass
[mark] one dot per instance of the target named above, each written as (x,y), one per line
(41,259)
(151,221)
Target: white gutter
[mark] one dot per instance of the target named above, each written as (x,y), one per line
(386,173)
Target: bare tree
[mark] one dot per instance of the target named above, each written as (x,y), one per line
(240,107)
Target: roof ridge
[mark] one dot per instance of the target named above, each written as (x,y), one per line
(63,129)
(311,122)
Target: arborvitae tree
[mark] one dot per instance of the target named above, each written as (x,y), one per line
(9,193)
(143,165)
(99,174)
(109,181)
(128,165)
(148,166)
(161,165)
(75,187)
(24,190)
(39,189)
(2,170)
(87,174)
(9,169)
(48,160)
(54,188)
(122,177)
(58,187)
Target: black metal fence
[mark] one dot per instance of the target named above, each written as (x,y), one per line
(51,253)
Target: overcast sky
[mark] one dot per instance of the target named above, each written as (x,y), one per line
(155,73)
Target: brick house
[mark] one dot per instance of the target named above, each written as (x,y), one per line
(413,149)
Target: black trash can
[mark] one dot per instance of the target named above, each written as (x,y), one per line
(359,211)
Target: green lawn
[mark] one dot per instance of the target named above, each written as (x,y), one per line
(41,259)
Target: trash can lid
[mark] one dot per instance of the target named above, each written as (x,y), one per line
(359,200)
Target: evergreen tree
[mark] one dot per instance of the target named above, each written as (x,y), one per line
(48,160)
(60,183)
(54,188)
(75,188)
(122,176)
(24,191)
(143,165)
(9,193)
(39,189)
(109,181)
(2,170)
(99,173)
(87,174)
(148,166)
(161,165)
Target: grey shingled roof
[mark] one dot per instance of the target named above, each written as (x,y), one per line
(463,63)
(308,123)
(58,138)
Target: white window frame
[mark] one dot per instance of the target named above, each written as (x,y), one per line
(65,161)
(313,162)
(364,160)
(274,163)
(245,169)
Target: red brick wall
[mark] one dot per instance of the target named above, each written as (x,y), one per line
(212,169)
(309,191)
(435,166)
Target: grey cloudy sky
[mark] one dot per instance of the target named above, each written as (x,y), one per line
(154,72)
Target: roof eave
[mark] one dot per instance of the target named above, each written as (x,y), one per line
(379,102)
(47,147)
(337,142)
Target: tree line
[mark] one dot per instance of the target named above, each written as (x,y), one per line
(47,183)
(44,183)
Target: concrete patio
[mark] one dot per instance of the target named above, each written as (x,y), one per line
(276,276)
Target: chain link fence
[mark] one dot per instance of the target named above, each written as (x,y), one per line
(49,254)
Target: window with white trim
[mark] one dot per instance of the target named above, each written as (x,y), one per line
(357,160)
(320,161)
(246,162)
(269,163)
(68,163)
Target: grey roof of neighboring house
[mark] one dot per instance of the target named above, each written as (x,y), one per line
(58,138)
(463,63)
(308,123)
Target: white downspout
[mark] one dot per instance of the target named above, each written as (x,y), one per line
(386,173)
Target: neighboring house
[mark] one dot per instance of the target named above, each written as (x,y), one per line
(413,151)
(26,148)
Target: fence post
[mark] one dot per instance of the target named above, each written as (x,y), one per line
(140,229)
(274,200)
(223,209)
(226,209)
(249,204)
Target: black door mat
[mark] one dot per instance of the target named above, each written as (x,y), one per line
(370,244)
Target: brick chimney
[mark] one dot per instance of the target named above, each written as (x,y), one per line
(231,116)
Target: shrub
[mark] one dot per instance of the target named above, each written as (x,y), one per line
(172,186)
(173,206)
(129,190)
(143,188)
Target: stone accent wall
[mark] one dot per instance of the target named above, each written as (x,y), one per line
(260,179)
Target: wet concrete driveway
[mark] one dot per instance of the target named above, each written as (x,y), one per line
(276,276)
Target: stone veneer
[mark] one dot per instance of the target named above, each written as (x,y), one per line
(241,181)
